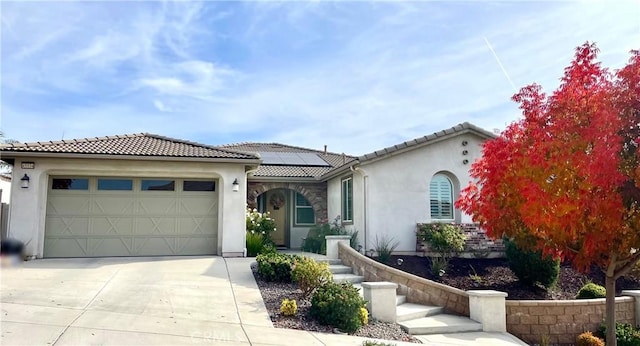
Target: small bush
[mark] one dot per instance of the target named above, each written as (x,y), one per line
(260,223)
(588,339)
(591,291)
(530,267)
(626,334)
(337,305)
(310,274)
(268,248)
(364,316)
(315,241)
(288,307)
(275,266)
(445,239)
(385,247)
(255,243)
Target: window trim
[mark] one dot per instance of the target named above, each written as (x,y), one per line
(349,203)
(439,217)
(296,207)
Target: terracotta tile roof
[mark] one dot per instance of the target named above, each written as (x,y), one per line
(333,159)
(424,140)
(141,144)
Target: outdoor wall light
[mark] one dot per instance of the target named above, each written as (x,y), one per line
(24,181)
(236,185)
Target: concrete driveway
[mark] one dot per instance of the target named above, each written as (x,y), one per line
(156,300)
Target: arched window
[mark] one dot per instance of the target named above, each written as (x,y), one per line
(441,197)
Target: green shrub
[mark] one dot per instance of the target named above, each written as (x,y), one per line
(590,291)
(626,334)
(588,339)
(255,243)
(530,267)
(337,305)
(445,239)
(260,223)
(268,248)
(315,241)
(309,274)
(385,247)
(275,266)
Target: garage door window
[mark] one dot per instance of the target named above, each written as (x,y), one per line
(115,184)
(196,185)
(158,185)
(70,184)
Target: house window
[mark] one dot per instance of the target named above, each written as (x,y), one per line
(304,211)
(441,197)
(347,200)
(198,185)
(115,184)
(70,184)
(158,185)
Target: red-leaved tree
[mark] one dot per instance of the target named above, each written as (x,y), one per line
(565,178)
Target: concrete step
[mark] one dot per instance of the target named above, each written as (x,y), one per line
(409,311)
(330,261)
(340,269)
(440,324)
(354,279)
(401,300)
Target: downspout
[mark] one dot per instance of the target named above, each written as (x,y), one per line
(365,188)
(246,185)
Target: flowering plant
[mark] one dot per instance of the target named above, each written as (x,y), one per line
(260,223)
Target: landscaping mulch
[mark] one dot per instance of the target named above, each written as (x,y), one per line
(495,274)
(273,293)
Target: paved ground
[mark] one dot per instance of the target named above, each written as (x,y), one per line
(155,300)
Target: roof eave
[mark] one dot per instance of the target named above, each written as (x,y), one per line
(17,154)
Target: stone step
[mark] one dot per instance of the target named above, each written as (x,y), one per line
(340,269)
(440,324)
(330,261)
(409,311)
(401,300)
(354,279)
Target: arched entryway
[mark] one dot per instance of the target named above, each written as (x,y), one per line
(294,207)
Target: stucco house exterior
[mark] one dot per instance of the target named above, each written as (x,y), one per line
(143,194)
(131,195)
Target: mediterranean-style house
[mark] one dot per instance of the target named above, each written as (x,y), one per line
(146,195)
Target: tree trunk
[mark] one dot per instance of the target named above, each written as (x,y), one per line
(610,320)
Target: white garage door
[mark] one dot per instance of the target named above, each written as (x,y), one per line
(107,216)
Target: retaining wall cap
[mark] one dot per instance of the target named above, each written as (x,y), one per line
(486,293)
(633,293)
(337,237)
(379,285)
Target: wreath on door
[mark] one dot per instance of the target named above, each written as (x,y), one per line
(277,200)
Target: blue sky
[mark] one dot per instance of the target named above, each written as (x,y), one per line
(357,76)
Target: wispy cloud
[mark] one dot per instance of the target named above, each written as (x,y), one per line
(357,76)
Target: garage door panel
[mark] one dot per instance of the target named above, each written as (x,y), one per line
(196,207)
(68,204)
(92,223)
(67,226)
(113,226)
(199,226)
(113,205)
(160,205)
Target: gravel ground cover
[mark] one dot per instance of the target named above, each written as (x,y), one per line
(273,294)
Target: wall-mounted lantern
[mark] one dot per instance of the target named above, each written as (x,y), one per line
(24,181)
(236,185)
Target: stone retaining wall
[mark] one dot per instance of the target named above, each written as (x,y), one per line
(561,321)
(418,290)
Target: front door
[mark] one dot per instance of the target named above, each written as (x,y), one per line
(277,208)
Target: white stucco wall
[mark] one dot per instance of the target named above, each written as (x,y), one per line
(398,189)
(28,206)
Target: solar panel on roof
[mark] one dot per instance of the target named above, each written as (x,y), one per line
(292,159)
